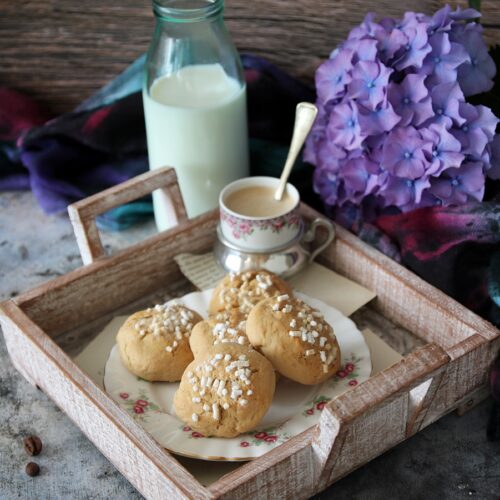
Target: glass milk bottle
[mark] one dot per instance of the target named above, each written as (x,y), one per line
(194,104)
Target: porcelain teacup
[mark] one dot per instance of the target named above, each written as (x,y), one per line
(263,232)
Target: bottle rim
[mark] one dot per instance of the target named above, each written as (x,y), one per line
(187,11)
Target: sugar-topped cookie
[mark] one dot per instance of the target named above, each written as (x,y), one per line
(244,290)
(296,339)
(154,343)
(220,328)
(225,392)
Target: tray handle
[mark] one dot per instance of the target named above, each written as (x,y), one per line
(369,419)
(83,213)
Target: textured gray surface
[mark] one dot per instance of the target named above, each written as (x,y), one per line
(449,460)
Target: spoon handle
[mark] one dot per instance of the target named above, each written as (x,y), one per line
(305,115)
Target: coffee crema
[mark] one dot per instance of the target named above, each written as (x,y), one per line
(258,201)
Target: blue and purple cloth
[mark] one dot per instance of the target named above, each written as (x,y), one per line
(103,142)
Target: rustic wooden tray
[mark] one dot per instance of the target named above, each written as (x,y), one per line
(448,351)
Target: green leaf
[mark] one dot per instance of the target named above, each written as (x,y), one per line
(475,4)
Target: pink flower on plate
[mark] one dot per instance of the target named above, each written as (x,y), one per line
(261,435)
(353,382)
(320,405)
(278,224)
(349,367)
(138,409)
(186,428)
(341,373)
(270,439)
(245,444)
(141,402)
(310,411)
(124,395)
(197,434)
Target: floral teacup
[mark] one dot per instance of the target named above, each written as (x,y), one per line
(259,233)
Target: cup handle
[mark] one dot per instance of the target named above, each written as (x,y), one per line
(311,234)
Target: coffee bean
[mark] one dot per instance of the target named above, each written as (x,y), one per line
(32,469)
(32,445)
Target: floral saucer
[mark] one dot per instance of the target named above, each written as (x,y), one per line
(295,407)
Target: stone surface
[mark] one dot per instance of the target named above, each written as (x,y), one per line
(449,460)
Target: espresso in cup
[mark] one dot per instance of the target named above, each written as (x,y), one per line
(258,201)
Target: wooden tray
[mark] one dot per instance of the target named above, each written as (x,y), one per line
(448,351)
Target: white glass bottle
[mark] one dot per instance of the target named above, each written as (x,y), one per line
(195,104)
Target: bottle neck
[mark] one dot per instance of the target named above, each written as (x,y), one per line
(187,11)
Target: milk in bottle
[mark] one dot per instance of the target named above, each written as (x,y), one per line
(196,122)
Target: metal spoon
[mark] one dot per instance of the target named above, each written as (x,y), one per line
(305,115)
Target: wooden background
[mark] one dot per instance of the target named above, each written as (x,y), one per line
(62,51)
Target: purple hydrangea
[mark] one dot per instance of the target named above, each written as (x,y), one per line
(411,100)
(394,128)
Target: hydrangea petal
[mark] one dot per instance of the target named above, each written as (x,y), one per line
(441,63)
(445,149)
(465,14)
(477,130)
(369,81)
(367,27)
(440,21)
(389,45)
(364,50)
(458,185)
(381,119)
(476,75)
(411,100)
(405,153)
(446,99)
(404,193)
(333,75)
(417,48)
(344,129)
(494,169)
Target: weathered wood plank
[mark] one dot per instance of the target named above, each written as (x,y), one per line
(466,374)
(373,416)
(83,213)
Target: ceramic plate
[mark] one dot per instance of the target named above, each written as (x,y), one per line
(295,407)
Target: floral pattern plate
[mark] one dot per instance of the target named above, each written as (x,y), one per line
(295,407)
